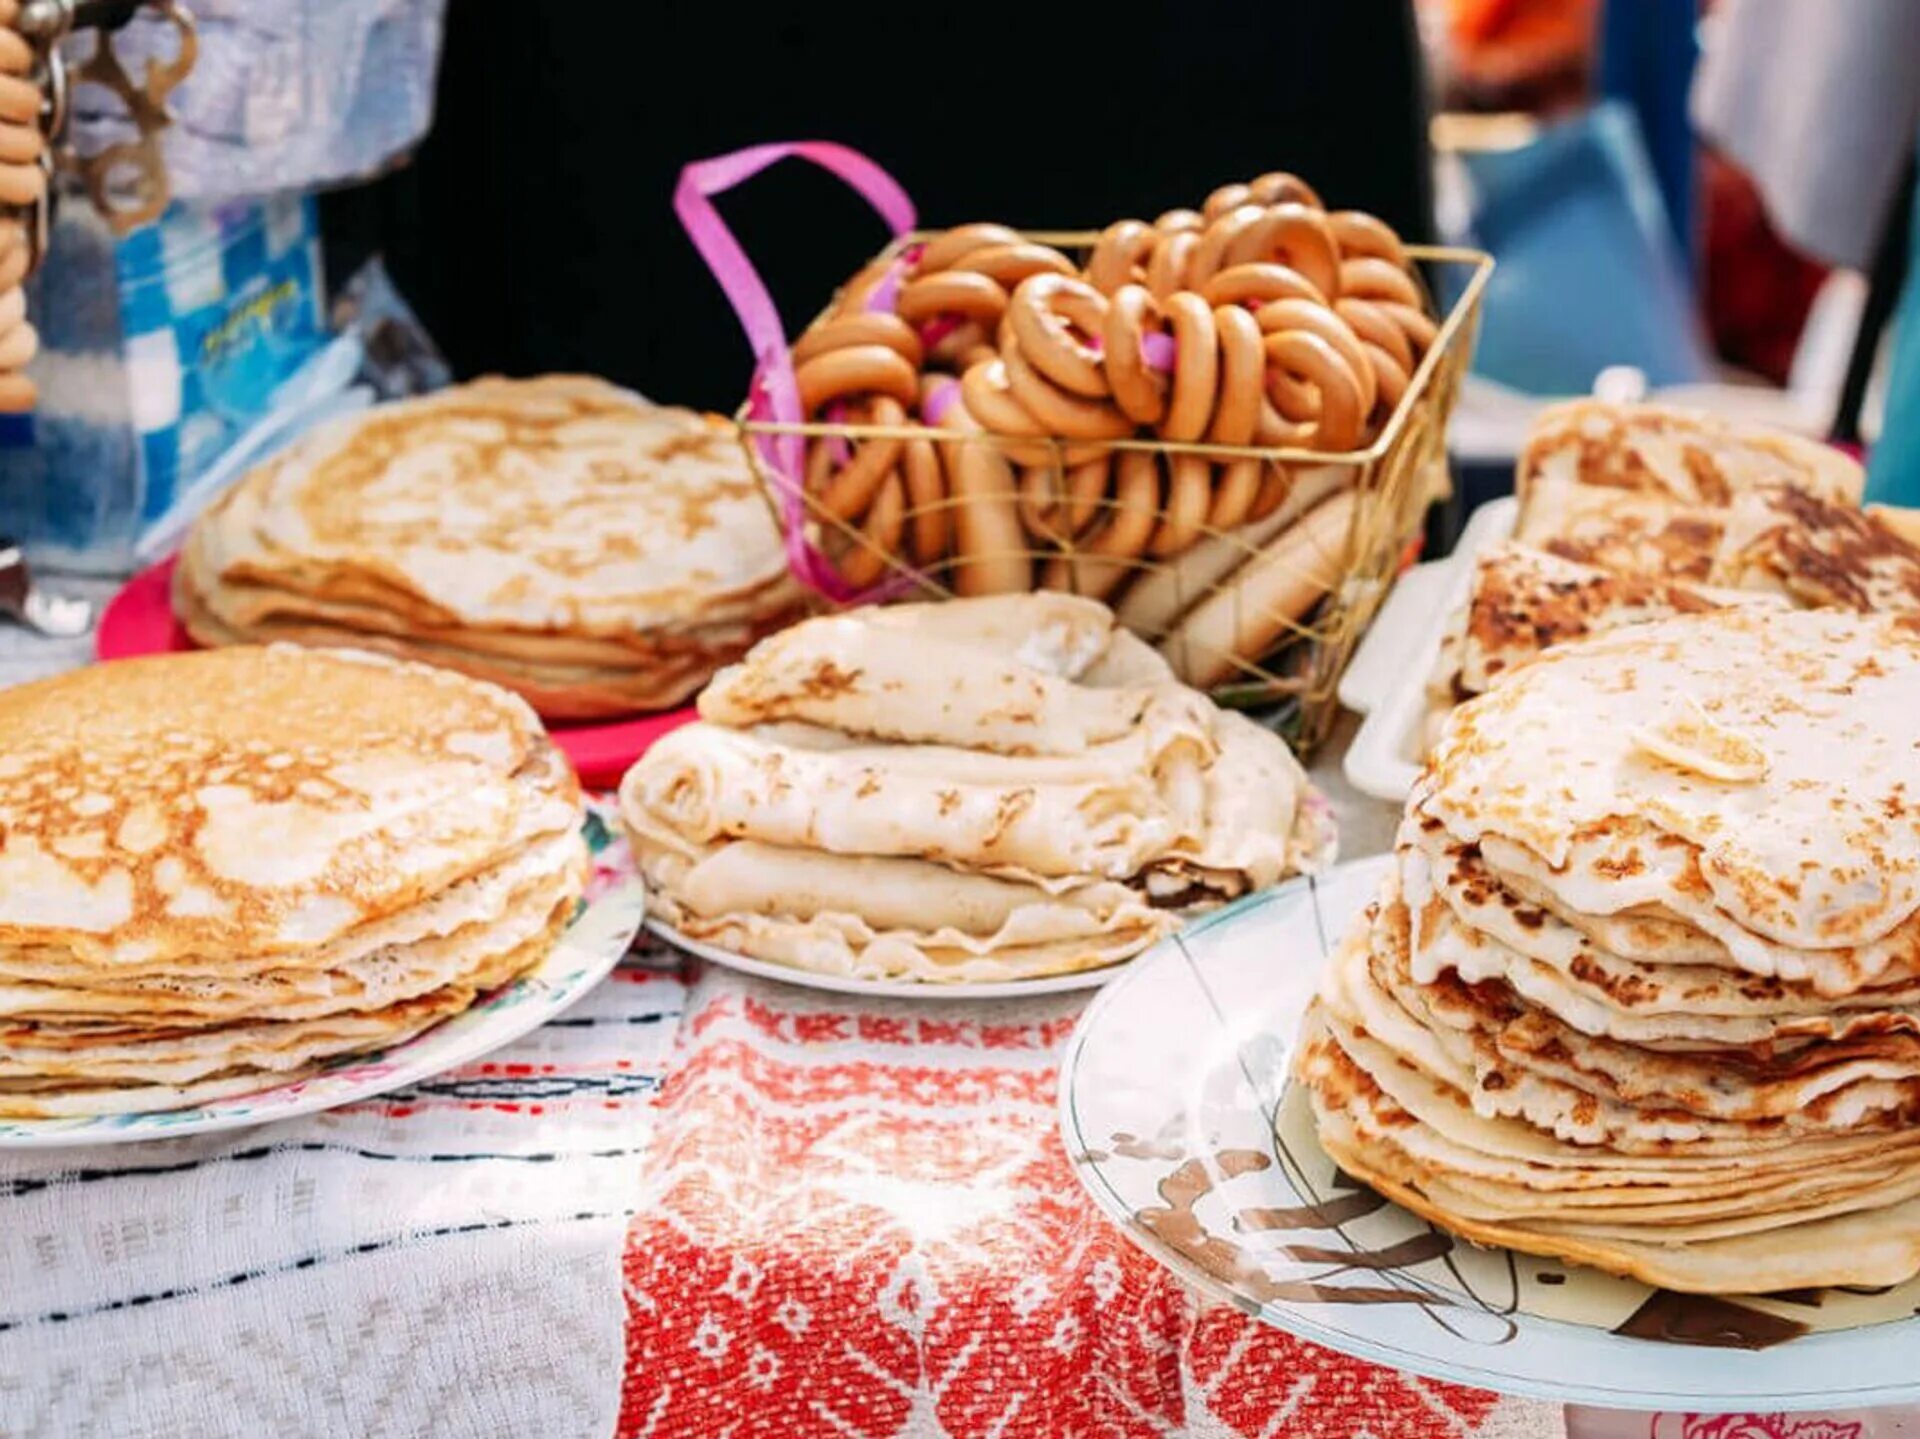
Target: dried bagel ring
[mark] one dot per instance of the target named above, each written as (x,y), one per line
(872,328)
(990,551)
(987,392)
(1243,370)
(988,396)
(856,370)
(1086,488)
(847,491)
(1221,234)
(1059,411)
(1120,255)
(928,515)
(867,559)
(1280,187)
(14,264)
(1390,378)
(1234,492)
(1059,324)
(1227,197)
(1375,327)
(1258,283)
(1008,265)
(18,346)
(1057,510)
(1361,234)
(1415,323)
(949,245)
(1173,222)
(1189,498)
(1371,278)
(1138,389)
(1295,236)
(1243,365)
(1097,567)
(1310,360)
(1167,271)
(1196,367)
(952,292)
(1319,320)
(1276,483)
(1276,429)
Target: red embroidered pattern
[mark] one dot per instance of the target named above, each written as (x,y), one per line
(863,1224)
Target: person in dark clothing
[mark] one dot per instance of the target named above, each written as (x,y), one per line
(534,230)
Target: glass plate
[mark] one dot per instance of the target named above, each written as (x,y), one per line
(1178,1118)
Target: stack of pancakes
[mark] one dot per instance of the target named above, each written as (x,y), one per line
(1521,601)
(990,788)
(1630,513)
(1643,988)
(220,870)
(559,537)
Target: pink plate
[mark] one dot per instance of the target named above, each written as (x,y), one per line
(140,621)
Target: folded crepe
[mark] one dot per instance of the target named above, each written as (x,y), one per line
(556,536)
(984,788)
(1820,553)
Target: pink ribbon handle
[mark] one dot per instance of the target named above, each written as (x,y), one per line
(775,395)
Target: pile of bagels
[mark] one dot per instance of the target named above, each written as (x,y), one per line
(1261,320)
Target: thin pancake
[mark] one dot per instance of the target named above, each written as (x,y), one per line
(1608,763)
(1687,456)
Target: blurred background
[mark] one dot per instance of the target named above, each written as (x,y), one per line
(1707,202)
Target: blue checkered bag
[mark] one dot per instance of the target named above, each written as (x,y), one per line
(157,350)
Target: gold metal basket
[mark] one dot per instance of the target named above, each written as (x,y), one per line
(1393,478)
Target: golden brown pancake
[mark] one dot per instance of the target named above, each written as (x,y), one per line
(986,789)
(248,860)
(1642,987)
(557,536)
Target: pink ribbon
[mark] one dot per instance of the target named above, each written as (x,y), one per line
(774,394)
(885,298)
(940,398)
(1156,348)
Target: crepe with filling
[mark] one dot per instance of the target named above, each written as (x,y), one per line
(850,674)
(902,792)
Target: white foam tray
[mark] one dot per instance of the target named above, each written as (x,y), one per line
(1387,678)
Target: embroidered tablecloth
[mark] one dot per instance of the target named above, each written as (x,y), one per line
(695,1206)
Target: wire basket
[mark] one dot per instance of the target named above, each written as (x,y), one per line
(1264,615)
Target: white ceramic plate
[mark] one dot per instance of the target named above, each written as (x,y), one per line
(889,988)
(599,936)
(1178,1119)
(1387,678)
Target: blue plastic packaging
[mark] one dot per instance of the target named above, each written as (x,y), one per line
(157,351)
